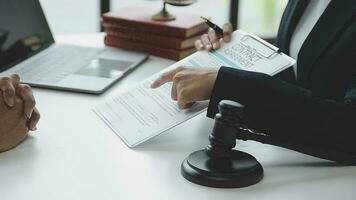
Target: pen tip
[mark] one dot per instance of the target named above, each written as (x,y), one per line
(204,18)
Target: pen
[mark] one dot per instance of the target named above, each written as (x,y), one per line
(215,27)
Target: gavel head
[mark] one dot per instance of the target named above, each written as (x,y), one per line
(230,112)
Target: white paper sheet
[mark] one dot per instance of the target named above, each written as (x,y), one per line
(141,113)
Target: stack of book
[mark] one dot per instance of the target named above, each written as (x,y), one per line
(132,28)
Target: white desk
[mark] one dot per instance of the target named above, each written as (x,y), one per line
(74,155)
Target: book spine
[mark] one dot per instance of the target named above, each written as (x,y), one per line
(145,27)
(160,41)
(153,50)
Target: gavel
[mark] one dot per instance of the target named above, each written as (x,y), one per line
(219,164)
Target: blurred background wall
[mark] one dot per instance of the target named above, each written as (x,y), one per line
(82,16)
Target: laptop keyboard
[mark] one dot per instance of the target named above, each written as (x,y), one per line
(57,62)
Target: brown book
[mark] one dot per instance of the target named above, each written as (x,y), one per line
(124,43)
(155,39)
(139,18)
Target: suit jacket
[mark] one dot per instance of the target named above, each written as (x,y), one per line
(315,113)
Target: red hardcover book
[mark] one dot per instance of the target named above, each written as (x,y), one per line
(154,39)
(139,18)
(124,43)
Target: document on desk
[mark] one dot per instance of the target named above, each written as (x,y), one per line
(140,113)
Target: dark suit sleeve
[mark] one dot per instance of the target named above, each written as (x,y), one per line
(290,115)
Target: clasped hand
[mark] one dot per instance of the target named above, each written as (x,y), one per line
(18,114)
(195,84)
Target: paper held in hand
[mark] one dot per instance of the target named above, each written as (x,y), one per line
(140,113)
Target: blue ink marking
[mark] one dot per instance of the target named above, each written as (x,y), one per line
(194,63)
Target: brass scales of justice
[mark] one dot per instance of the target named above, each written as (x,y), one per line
(164,15)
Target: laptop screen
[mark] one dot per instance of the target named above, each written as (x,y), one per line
(23,31)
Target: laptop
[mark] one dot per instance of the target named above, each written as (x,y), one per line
(27,48)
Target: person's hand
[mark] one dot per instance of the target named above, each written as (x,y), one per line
(211,40)
(18,113)
(10,88)
(13,124)
(189,84)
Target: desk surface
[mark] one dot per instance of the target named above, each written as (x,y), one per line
(74,155)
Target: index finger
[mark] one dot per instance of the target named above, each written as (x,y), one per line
(25,92)
(8,86)
(15,80)
(227,29)
(166,77)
